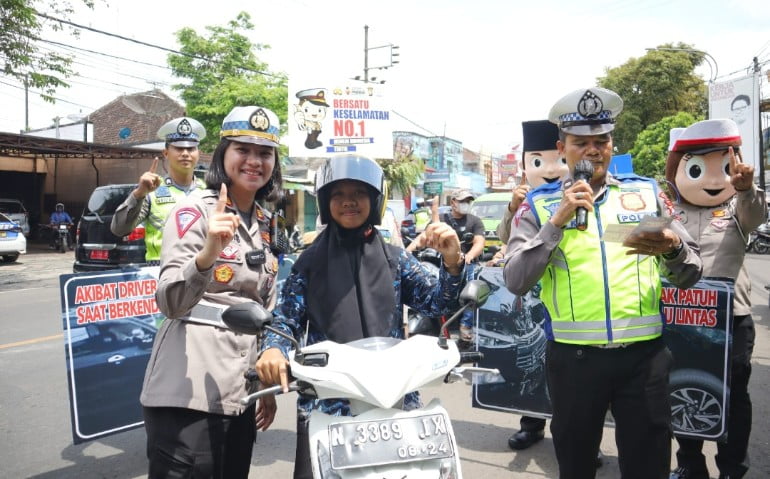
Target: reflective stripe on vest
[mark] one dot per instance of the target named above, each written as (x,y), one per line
(576,282)
(156,219)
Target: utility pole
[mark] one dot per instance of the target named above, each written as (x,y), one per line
(56,120)
(392,61)
(762,156)
(366,53)
(26,104)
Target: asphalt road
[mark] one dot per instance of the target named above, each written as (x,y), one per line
(35,422)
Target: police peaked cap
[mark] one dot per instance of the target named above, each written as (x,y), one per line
(184,132)
(588,111)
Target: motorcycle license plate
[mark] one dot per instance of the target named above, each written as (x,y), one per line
(388,441)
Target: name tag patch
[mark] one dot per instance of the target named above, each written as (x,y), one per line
(624,218)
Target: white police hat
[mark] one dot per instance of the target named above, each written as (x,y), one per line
(184,132)
(251,124)
(588,111)
(707,136)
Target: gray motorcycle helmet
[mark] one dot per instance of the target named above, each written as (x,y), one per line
(351,167)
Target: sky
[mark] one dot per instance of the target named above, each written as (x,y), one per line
(468,70)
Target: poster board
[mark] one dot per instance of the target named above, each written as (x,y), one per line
(698,324)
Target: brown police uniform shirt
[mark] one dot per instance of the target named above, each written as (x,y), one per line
(200,366)
(721,232)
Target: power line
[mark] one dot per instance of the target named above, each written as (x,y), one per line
(415,124)
(103,54)
(151,45)
(764,47)
(114,71)
(40,93)
(100,67)
(80,75)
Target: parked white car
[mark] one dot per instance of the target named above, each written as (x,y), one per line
(15,210)
(12,241)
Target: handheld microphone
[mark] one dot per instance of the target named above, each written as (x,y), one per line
(584,170)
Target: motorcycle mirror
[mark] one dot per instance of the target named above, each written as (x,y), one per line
(467,237)
(475,292)
(247,318)
(473,295)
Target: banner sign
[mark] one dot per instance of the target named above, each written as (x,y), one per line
(110,321)
(505,170)
(343,117)
(738,100)
(440,175)
(698,323)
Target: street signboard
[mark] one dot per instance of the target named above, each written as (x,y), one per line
(438,175)
(433,188)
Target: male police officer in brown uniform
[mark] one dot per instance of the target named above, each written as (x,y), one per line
(604,323)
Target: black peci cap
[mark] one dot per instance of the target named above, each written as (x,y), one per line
(539,135)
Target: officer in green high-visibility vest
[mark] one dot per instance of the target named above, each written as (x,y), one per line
(602,292)
(155,196)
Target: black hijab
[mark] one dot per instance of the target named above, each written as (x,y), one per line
(350,276)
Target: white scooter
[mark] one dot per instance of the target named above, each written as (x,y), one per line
(378,441)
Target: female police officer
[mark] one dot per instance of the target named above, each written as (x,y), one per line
(215,253)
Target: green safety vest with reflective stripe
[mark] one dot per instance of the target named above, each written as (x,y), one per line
(162,201)
(583,268)
(421,219)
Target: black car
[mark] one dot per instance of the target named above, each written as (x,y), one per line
(96,248)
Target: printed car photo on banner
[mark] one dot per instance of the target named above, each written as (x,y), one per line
(110,321)
(510,334)
(738,100)
(343,117)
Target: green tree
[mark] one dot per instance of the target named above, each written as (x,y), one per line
(659,84)
(403,173)
(222,71)
(20,31)
(651,146)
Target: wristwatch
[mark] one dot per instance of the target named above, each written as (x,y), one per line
(675,252)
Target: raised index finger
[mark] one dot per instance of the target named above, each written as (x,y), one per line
(523,178)
(434,210)
(154,165)
(222,201)
(733,160)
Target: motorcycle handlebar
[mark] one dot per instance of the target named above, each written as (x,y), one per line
(269,391)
